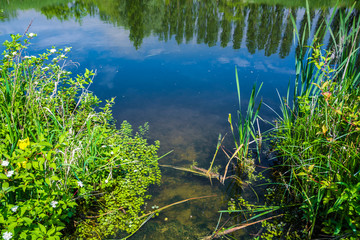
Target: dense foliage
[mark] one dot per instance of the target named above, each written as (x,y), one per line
(318,136)
(65,167)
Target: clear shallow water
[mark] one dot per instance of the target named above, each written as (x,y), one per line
(184,87)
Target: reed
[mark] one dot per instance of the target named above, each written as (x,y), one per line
(245,133)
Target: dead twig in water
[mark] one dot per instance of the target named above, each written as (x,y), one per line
(176,203)
(230,230)
(196,170)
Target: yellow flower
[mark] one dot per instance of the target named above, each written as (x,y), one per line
(22,163)
(24,143)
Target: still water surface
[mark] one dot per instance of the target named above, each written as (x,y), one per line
(172,64)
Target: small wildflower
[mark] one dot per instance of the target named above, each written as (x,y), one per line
(45,68)
(54,203)
(6,55)
(106,181)
(26,57)
(135,170)
(80,184)
(14,53)
(67,49)
(24,143)
(9,173)
(112,153)
(5,163)
(53,50)
(31,35)
(62,56)
(7,235)
(14,208)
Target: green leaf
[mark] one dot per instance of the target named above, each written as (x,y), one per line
(3,176)
(27,220)
(47,180)
(42,228)
(5,186)
(35,165)
(51,231)
(54,178)
(53,166)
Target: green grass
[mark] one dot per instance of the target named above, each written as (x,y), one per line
(319,132)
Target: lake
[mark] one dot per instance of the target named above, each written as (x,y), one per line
(172,64)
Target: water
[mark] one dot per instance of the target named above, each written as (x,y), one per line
(172,64)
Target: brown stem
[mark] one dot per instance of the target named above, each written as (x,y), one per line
(227,231)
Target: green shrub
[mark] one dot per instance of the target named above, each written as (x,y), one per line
(64,165)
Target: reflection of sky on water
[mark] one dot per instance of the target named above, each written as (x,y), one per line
(184,91)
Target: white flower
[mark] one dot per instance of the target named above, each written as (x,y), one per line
(80,184)
(6,55)
(106,181)
(67,49)
(9,173)
(26,57)
(14,53)
(62,56)
(53,50)
(54,203)
(14,208)
(32,35)
(45,68)
(112,153)
(5,163)
(7,235)
(135,170)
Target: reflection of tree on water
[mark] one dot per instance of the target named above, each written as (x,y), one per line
(268,28)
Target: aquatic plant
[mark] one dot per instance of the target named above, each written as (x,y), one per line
(65,167)
(245,132)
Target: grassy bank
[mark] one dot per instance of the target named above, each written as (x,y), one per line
(318,135)
(66,171)
(316,186)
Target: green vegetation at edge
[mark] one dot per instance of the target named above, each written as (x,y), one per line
(316,140)
(65,170)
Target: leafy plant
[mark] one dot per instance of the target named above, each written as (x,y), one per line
(62,162)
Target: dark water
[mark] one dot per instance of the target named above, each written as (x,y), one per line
(172,64)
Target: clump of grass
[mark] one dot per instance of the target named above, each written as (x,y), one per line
(245,133)
(62,161)
(317,139)
(318,136)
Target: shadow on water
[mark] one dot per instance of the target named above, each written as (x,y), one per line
(171,63)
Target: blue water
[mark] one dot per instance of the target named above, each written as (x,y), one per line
(185,91)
